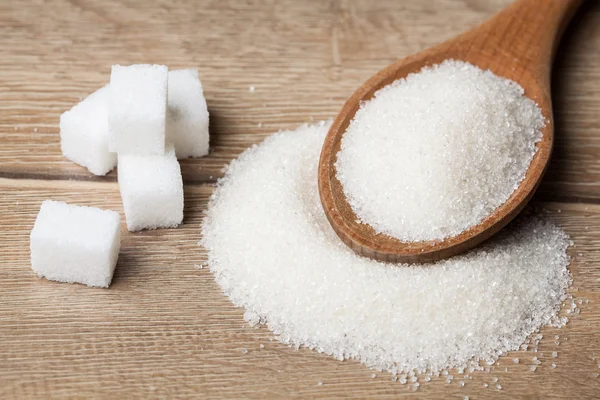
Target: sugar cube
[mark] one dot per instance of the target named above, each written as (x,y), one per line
(75,243)
(84,134)
(137,109)
(151,189)
(187,114)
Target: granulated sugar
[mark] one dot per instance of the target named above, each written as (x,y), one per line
(274,253)
(434,154)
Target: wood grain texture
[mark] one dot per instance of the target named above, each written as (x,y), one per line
(518,44)
(56,52)
(164,329)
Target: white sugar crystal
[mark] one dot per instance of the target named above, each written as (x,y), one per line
(273,252)
(152,190)
(75,243)
(435,153)
(137,109)
(187,114)
(84,134)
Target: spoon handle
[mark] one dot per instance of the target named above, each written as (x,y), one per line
(524,35)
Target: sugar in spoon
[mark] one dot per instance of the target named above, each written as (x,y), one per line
(518,43)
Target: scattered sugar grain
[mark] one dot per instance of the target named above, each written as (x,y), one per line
(373,376)
(499,387)
(273,252)
(516,360)
(553,365)
(433,154)
(319,383)
(251,89)
(485,385)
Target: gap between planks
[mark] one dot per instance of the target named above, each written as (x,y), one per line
(12,177)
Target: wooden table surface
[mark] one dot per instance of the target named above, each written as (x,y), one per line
(164,329)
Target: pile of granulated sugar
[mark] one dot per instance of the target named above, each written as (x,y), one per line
(274,253)
(435,153)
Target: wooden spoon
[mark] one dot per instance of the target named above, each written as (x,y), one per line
(519,43)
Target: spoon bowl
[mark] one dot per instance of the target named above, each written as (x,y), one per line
(519,44)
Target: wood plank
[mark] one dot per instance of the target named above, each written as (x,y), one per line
(165,330)
(304,59)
